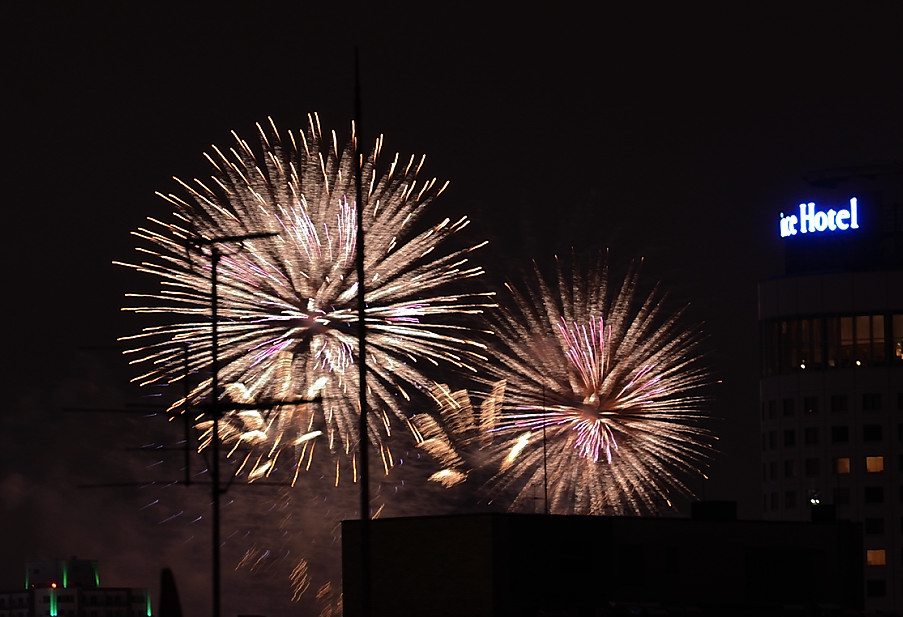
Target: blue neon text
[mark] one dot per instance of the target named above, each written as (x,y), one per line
(811,220)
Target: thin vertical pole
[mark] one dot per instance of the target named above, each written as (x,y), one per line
(214,411)
(545,469)
(362,351)
(186,392)
(545,472)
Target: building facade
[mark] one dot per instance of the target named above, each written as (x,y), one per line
(831,384)
(71,588)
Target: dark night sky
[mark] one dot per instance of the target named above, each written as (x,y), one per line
(675,135)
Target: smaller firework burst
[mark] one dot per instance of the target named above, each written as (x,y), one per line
(594,400)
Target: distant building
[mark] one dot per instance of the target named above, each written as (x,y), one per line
(831,385)
(71,588)
(507,565)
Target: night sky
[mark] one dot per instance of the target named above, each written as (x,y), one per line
(672,135)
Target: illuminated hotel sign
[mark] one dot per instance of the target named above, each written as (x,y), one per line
(812,221)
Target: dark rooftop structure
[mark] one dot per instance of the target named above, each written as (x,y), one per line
(520,565)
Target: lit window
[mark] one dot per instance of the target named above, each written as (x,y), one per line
(875,557)
(874,464)
(842,465)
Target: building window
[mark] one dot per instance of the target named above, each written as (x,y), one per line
(871,401)
(772,410)
(873,526)
(874,464)
(875,557)
(896,339)
(839,403)
(872,432)
(789,438)
(773,470)
(812,467)
(840,434)
(799,344)
(875,588)
(773,497)
(790,499)
(789,469)
(810,405)
(869,332)
(788,406)
(874,494)
(842,465)
(810,436)
(773,439)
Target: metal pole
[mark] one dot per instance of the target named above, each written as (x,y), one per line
(545,469)
(362,352)
(186,392)
(215,407)
(214,411)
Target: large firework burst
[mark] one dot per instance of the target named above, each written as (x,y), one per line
(595,399)
(287,305)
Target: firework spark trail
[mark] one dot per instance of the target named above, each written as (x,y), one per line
(592,391)
(287,305)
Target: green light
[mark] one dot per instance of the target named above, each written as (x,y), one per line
(65,574)
(148,603)
(96,574)
(53,608)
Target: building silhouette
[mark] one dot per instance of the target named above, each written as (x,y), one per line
(831,384)
(71,588)
(529,565)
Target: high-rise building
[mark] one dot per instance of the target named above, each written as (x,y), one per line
(831,385)
(71,588)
